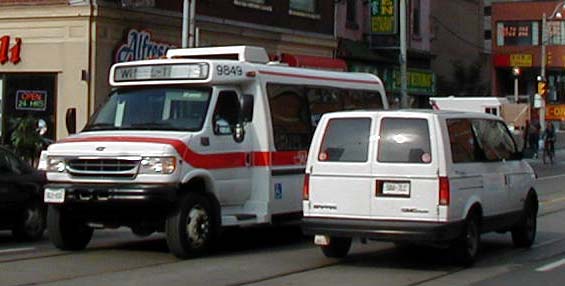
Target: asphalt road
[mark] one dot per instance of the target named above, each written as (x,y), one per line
(282,256)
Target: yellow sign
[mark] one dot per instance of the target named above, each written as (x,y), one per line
(521,60)
(383,16)
(555,112)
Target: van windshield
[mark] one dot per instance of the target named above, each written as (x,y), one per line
(153,109)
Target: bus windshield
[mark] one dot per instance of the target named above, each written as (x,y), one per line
(162,108)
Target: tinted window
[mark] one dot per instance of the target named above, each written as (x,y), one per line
(346,140)
(404,140)
(494,139)
(462,140)
(227,111)
(296,110)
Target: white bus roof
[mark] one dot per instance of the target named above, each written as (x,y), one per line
(240,53)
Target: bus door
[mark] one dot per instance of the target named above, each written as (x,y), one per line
(230,163)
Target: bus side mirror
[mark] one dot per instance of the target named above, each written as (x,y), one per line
(246,103)
(71,120)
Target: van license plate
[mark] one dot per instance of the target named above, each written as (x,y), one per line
(396,189)
(54,195)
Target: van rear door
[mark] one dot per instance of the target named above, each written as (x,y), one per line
(405,168)
(340,176)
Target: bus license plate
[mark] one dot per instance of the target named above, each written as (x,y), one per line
(54,195)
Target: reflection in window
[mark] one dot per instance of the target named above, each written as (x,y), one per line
(308,6)
(494,139)
(296,110)
(462,141)
(404,140)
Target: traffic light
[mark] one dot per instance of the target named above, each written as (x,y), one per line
(542,88)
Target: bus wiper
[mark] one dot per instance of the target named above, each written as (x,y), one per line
(151,125)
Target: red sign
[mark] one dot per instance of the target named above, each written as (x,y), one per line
(35,100)
(8,53)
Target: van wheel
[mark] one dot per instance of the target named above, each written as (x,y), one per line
(524,234)
(65,232)
(190,228)
(467,245)
(337,248)
(31,222)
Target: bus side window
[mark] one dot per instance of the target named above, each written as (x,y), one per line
(226,113)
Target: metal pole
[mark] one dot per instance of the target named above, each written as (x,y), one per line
(516,89)
(542,71)
(403,58)
(192,23)
(185,14)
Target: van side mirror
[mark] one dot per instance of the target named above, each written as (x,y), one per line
(238,133)
(71,120)
(246,103)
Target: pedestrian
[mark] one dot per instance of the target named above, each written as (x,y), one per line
(533,138)
(549,137)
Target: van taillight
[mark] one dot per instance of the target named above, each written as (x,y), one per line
(306,187)
(444,191)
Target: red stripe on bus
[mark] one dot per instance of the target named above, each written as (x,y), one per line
(209,161)
(319,77)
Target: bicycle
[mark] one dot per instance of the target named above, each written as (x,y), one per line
(548,150)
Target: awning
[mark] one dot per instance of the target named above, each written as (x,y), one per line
(314,62)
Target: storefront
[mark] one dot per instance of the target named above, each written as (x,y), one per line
(57,57)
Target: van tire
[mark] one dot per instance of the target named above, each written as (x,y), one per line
(467,245)
(190,229)
(337,248)
(65,232)
(524,234)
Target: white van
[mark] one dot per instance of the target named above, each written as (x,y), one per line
(416,176)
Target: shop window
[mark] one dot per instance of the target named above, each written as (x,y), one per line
(416,16)
(25,95)
(307,6)
(351,17)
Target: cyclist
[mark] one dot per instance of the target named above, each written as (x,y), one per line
(549,137)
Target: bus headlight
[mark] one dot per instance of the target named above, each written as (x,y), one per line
(55,164)
(158,165)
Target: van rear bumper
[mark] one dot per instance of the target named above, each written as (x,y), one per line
(385,230)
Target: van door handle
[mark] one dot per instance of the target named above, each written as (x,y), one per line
(457,172)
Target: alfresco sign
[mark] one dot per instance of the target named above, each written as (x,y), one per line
(140,47)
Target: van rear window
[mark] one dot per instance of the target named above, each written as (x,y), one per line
(404,140)
(346,140)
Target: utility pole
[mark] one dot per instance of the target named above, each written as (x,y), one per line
(542,71)
(403,58)
(192,24)
(185,23)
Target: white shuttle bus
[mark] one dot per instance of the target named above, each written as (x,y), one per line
(198,140)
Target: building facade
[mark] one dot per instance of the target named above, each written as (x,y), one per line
(460,59)
(519,35)
(56,54)
(368,47)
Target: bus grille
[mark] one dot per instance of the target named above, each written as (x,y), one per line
(102,167)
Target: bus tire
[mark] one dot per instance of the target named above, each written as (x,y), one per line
(65,232)
(190,227)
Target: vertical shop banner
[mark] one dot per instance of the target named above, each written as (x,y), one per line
(384,15)
(35,100)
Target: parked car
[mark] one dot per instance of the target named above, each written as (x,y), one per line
(414,176)
(21,197)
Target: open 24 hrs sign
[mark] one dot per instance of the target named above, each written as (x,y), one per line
(10,53)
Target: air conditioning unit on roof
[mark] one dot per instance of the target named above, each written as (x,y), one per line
(238,53)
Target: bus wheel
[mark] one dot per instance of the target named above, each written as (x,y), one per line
(190,228)
(65,232)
